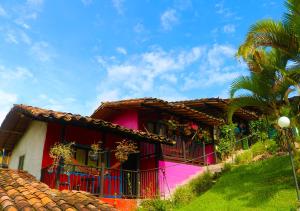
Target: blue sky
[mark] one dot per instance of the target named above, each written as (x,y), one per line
(71,55)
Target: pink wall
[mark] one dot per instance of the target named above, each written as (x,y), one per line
(128,118)
(210,158)
(175,174)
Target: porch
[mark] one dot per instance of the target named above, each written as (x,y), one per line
(104,182)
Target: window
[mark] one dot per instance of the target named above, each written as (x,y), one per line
(162,129)
(81,155)
(21,162)
(150,127)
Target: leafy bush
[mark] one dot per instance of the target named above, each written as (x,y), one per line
(258,148)
(245,157)
(201,183)
(271,146)
(183,195)
(224,148)
(155,205)
(259,128)
(225,145)
(227,167)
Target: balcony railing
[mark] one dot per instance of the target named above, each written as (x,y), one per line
(104,182)
(187,150)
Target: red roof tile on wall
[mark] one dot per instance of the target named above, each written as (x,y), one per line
(21,191)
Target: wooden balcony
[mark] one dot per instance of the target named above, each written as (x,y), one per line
(103,182)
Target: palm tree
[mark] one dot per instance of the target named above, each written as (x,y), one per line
(266,85)
(281,35)
(272,52)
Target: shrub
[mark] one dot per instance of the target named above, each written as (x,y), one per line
(227,167)
(224,148)
(155,205)
(258,148)
(202,183)
(271,146)
(183,195)
(245,157)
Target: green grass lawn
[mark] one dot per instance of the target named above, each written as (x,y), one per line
(264,185)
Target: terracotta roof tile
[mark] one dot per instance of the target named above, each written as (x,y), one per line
(19,111)
(155,103)
(21,191)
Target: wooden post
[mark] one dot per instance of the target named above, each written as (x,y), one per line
(204,155)
(139,171)
(58,172)
(60,162)
(3,155)
(183,148)
(157,157)
(102,179)
(138,183)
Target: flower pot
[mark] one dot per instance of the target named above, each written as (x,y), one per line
(93,156)
(50,170)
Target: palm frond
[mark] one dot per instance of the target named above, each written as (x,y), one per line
(246,101)
(272,34)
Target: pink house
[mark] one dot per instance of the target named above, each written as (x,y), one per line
(174,142)
(176,163)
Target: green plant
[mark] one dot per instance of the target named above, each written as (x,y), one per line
(61,154)
(225,145)
(258,148)
(264,185)
(244,158)
(271,146)
(259,129)
(155,205)
(124,149)
(61,151)
(182,195)
(227,167)
(201,183)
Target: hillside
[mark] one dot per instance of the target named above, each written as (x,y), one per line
(264,185)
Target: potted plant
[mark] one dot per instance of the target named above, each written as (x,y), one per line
(93,154)
(124,149)
(60,152)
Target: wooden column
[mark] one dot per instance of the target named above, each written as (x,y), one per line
(60,162)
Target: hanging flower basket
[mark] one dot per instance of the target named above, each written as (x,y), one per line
(50,170)
(93,156)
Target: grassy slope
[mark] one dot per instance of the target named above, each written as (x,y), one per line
(264,185)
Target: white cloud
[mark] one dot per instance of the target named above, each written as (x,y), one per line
(2,11)
(168,19)
(16,73)
(217,68)
(61,104)
(118,5)
(140,74)
(35,2)
(218,53)
(25,38)
(139,28)
(110,95)
(121,50)
(17,37)
(6,102)
(224,11)
(87,2)
(229,28)
(10,37)
(42,51)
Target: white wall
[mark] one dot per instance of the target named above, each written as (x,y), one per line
(31,145)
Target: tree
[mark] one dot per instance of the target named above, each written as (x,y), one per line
(266,87)
(281,35)
(272,52)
